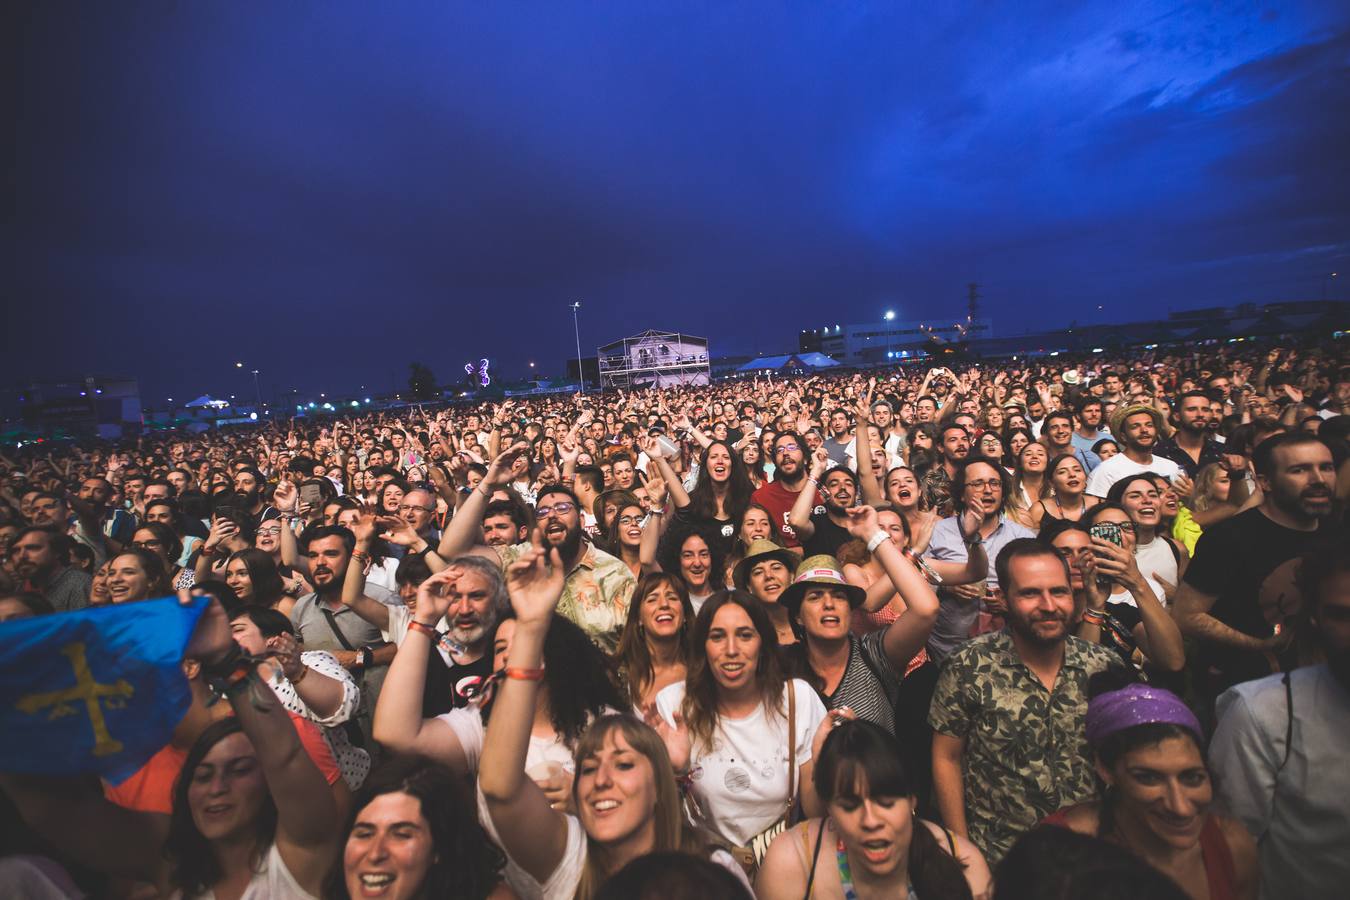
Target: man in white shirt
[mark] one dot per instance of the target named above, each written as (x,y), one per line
(1136,427)
(1278,753)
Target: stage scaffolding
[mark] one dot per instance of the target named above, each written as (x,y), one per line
(654,359)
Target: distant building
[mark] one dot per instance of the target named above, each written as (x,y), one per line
(876,343)
(791,364)
(105,406)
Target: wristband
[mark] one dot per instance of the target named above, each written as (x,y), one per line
(208,550)
(361,556)
(525,674)
(424,628)
(876,541)
(427,549)
(813,481)
(367,657)
(1093,617)
(975,541)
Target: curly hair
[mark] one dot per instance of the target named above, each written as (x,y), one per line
(576,678)
(465,862)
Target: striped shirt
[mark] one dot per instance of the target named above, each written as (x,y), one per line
(870,683)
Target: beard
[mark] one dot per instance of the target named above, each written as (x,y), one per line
(568,545)
(1025,629)
(1310,503)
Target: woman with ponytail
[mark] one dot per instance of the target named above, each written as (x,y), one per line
(870,842)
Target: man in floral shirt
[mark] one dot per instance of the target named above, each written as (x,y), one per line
(1008,743)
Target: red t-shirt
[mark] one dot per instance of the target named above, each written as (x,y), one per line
(150,789)
(778,500)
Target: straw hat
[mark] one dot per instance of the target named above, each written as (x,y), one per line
(1119,416)
(815,570)
(759,551)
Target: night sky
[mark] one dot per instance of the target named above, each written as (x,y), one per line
(327,191)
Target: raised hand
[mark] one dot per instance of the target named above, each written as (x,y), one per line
(364,528)
(820,461)
(970,521)
(862,522)
(656,491)
(675,737)
(286,496)
(221,530)
(535,582)
(433,595)
(286,651)
(833,719)
(501,471)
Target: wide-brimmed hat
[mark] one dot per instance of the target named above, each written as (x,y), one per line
(821,569)
(759,551)
(1119,416)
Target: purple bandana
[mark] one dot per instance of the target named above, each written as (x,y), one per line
(1137,704)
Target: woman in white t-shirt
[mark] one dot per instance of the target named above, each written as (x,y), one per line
(625,793)
(734,709)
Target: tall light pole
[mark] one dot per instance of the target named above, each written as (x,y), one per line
(889,317)
(257,390)
(581,374)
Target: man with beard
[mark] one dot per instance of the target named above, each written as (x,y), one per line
(1278,755)
(1089,431)
(1137,428)
(248,488)
(1241,579)
(1191,446)
(789,479)
(504,524)
(981,488)
(598,587)
(324,622)
(823,532)
(954,445)
(39,556)
(446,651)
(1008,713)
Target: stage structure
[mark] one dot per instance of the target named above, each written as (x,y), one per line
(654,359)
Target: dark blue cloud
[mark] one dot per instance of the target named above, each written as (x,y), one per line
(331,190)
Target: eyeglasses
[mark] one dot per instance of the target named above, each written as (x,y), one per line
(407,506)
(561,508)
(985,483)
(786,448)
(630,520)
(272,531)
(148,545)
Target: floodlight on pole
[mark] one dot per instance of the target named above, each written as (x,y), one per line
(890,332)
(576,327)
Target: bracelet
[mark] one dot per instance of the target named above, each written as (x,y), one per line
(361,556)
(876,541)
(976,541)
(304,670)
(424,628)
(427,549)
(1093,617)
(525,674)
(207,550)
(656,512)
(813,481)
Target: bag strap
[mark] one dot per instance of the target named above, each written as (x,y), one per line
(815,857)
(792,743)
(333,625)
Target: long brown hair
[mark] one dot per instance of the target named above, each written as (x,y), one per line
(672,829)
(633,656)
(699,707)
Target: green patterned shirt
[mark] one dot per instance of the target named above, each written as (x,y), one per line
(1026,754)
(595,595)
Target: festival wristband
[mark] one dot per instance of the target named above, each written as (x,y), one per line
(424,628)
(1093,617)
(525,674)
(876,541)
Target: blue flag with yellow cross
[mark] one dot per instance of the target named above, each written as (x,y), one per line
(99,690)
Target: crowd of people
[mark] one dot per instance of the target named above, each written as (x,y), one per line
(1008,629)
